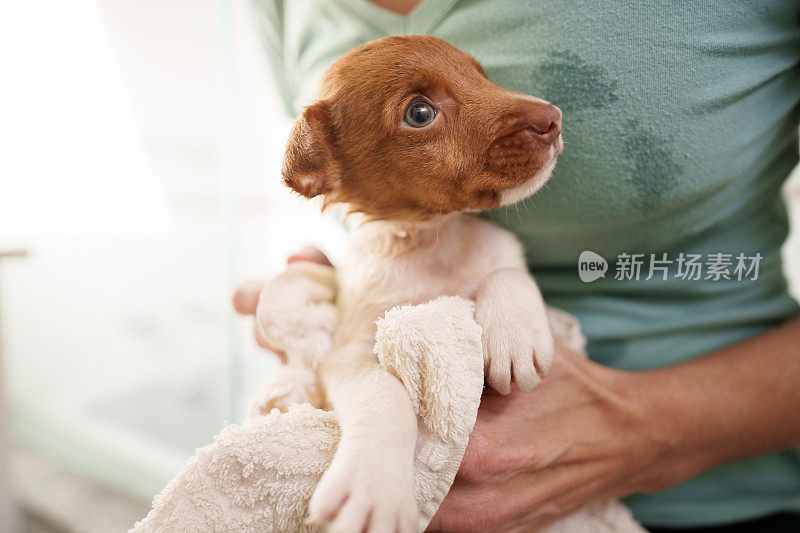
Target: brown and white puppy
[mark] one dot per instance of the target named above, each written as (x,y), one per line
(410,134)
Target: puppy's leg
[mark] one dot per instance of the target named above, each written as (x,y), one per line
(370,482)
(517,342)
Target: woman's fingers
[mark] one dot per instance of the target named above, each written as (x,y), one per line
(245,299)
(525,502)
(313,255)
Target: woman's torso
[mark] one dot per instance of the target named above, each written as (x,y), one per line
(680,122)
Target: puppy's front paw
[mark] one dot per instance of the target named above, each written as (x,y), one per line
(516,349)
(357,494)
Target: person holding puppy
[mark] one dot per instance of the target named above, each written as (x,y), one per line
(681,126)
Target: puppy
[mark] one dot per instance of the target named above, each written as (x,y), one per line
(412,137)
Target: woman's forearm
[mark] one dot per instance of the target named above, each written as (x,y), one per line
(738,402)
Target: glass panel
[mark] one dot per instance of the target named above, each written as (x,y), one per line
(145,187)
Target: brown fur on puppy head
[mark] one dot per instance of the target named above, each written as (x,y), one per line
(356,144)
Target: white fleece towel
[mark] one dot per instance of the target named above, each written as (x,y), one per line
(259,475)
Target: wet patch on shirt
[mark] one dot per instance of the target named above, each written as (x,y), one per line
(656,172)
(575,85)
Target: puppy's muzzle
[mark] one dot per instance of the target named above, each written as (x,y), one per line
(528,136)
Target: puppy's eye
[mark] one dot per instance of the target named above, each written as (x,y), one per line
(419,114)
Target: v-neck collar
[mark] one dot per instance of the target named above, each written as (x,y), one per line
(422,19)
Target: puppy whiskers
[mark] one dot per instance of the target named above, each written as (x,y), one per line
(525,205)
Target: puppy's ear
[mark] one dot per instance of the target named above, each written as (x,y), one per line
(309,166)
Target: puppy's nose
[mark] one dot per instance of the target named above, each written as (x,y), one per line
(541,119)
(544,120)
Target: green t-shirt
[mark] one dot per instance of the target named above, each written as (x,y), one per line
(680,122)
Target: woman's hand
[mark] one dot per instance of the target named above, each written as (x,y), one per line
(535,457)
(245,299)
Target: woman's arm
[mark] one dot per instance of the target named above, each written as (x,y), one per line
(738,402)
(589,433)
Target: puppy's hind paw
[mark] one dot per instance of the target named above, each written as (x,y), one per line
(351,497)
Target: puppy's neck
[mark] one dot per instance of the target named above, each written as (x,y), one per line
(396,237)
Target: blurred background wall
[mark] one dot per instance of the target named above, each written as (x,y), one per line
(142,142)
(142,179)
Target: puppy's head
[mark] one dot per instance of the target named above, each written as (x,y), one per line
(410,127)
